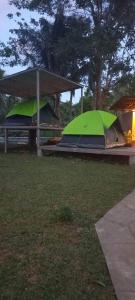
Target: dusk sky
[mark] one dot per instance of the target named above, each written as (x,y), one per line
(6,24)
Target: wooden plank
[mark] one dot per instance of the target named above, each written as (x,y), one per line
(122,151)
(42,127)
(132,160)
(5,140)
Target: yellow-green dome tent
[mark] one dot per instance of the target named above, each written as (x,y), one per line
(25,114)
(93,129)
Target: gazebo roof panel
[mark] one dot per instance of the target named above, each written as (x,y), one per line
(23,84)
(124,103)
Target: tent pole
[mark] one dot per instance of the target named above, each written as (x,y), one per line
(81,100)
(38,113)
(6,140)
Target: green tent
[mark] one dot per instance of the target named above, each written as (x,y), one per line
(25,114)
(26,108)
(93,129)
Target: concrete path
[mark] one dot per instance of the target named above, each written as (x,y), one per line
(116,232)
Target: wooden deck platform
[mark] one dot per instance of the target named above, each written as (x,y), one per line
(120,154)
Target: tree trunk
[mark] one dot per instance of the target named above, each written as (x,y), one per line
(104,96)
(98,104)
(97,84)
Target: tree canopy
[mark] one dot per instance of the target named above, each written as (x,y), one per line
(6,102)
(88,40)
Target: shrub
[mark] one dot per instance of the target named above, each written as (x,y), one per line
(64,214)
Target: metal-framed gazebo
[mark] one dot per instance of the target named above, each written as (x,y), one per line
(36,82)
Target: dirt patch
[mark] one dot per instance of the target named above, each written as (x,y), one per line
(40,249)
(5,255)
(70,234)
(32,274)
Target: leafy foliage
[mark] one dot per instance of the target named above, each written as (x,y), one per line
(52,44)
(63,214)
(6,102)
(125,86)
(67,114)
(84,40)
(111,28)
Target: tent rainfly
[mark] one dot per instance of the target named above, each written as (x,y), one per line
(36,82)
(126,105)
(93,129)
(25,114)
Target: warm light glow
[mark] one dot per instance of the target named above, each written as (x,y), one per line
(133,126)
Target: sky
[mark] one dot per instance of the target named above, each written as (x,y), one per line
(4,22)
(5,25)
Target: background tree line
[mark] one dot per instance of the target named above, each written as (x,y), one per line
(91,41)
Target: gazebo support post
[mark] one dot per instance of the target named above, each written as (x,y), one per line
(81,100)
(39,153)
(5,140)
(71,99)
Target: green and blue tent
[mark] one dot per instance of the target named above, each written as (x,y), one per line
(25,114)
(93,129)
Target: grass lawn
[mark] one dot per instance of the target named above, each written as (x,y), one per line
(42,257)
